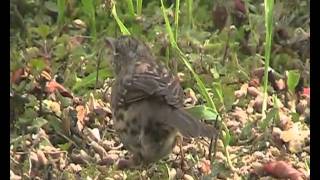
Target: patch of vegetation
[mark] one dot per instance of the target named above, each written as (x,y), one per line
(60,118)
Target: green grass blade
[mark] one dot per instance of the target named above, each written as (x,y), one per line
(89,9)
(61,9)
(122,27)
(201,86)
(173,43)
(139,7)
(168,27)
(268,42)
(190,16)
(176,19)
(130,7)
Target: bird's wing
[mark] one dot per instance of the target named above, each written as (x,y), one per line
(153,80)
(149,80)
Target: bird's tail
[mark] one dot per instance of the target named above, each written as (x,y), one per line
(191,127)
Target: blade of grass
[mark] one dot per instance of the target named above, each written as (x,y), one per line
(268,41)
(139,7)
(190,17)
(122,27)
(174,44)
(168,27)
(61,9)
(130,7)
(202,89)
(176,19)
(89,9)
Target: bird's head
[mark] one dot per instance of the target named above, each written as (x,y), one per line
(125,51)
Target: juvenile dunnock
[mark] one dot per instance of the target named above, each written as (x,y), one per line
(147,103)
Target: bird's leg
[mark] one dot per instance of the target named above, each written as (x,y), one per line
(179,141)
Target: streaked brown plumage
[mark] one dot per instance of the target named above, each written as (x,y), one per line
(147,103)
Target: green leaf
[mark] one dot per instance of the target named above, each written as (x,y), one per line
(32,52)
(60,51)
(218,89)
(295,117)
(54,123)
(16,141)
(265,123)
(45,142)
(215,73)
(29,114)
(226,138)
(90,80)
(293,79)
(51,6)
(37,64)
(65,147)
(23,121)
(42,30)
(39,122)
(33,102)
(77,52)
(203,112)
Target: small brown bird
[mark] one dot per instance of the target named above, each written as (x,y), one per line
(147,103)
